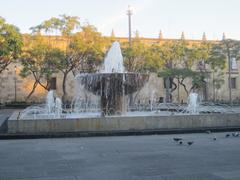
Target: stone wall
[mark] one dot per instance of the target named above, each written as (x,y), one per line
(11,82)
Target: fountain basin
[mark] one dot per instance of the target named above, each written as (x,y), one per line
(112,87)
(123,124)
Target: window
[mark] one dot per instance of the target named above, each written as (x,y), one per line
(53,83)
(233,83)
(233,64)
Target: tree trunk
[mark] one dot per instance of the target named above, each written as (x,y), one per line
(214,93)
(32,91)
(178,92)
(184,86)
(168,92)
(3,67)
(205,92)
(64,97)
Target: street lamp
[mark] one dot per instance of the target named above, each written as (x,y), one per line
(129,13)
(15,83)
(229,80)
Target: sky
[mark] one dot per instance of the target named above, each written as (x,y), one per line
(149,16)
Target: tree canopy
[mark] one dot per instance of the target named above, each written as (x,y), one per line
(10,44)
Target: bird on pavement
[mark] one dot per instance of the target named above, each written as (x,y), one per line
(190,143)
(227,135)
(235,134)
(177,139)
(180,142)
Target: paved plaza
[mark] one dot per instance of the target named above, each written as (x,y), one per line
(117,158)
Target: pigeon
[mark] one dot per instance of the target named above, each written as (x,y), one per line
(180,142)
(214,138)
(227,135)
(190,143)
(235,134)
(177,139)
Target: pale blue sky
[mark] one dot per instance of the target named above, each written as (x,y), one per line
(149,16)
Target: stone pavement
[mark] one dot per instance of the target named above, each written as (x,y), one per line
(119,158)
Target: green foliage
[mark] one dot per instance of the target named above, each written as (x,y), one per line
(198,81)
(68,24)
(86,50)
(10,43)
(159,56)
(64,25)
(218,80)
(135,57)
(217,58)
(177,73)
(180,74)
(39,61)
(223,51)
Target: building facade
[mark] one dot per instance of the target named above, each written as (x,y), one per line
(15,88)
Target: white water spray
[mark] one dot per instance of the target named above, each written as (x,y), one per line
(193,103)
(113,63)
(50,103)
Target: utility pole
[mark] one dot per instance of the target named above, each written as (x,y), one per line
(229,78)
(228,49)
(15,83)
(129,13)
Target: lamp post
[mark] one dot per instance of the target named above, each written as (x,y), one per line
(129,13)
(15,83)
(229,80)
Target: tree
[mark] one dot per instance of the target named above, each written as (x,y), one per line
(10,44)
(135,56)
(217,63)
(180,60)
(180,74)
(64,25)
(198,55)
(171,54)
(220,54)
(84,54)
(68,24)
(157,57)
(84,49)
(38,61)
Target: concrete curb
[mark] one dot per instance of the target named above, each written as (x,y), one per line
(6,136)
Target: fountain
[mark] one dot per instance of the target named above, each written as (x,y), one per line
(58,107)
(50,102)
(105,94)
(193,103)
(51,109)
(112,84)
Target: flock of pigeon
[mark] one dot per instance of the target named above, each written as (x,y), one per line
(189,143)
